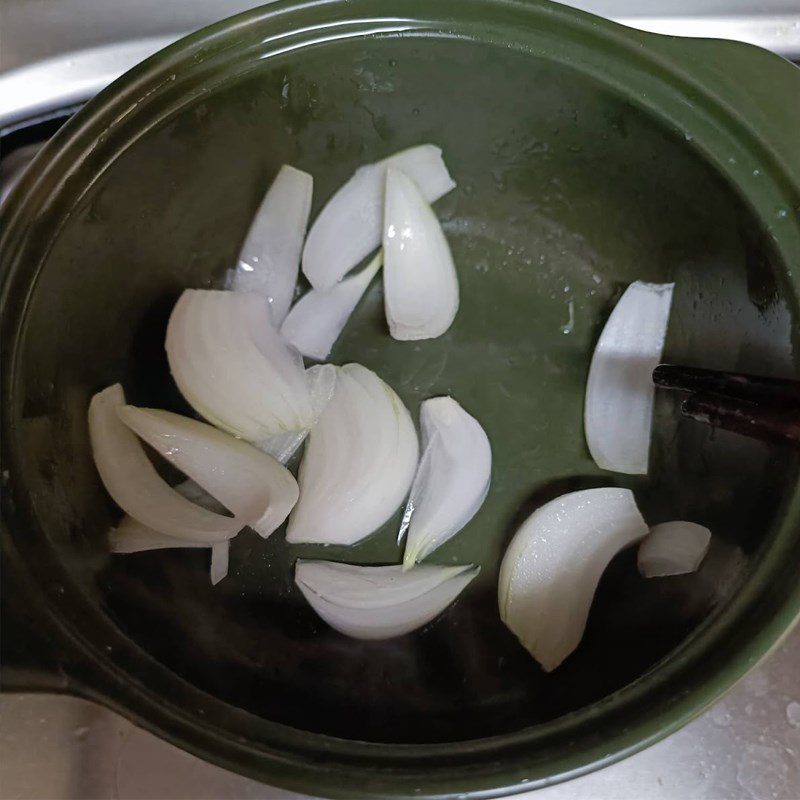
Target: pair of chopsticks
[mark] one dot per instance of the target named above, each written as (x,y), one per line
(762,408)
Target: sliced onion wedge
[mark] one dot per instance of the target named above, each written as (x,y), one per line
(131,536)
(317,319)
(419,278)
(618,414)
(270,256)
(358,464)
(348,228)
(220,555)
(552,567)
(134,484)
(673,548)
(254,486)
(451,481)
(379,602)
(322,381)
(233,367)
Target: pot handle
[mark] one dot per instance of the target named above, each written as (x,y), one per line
(760,88)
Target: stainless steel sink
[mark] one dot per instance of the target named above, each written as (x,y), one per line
(53,57)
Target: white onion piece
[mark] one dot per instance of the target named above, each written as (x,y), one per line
(349,227)
(419,278)
(317,318)
(452,479)
(552,567)
(618,414)
(254,486)
(270,256)
(379,602)
(131,536)
(134,484)
(220,556)
(358,464)
(322,381)
(232,366)
(673,548)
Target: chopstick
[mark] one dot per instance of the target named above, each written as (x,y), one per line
(752,405)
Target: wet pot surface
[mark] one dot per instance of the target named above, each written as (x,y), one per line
(567,191)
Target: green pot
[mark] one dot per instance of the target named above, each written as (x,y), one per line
(587,155)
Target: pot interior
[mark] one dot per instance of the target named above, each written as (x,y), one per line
(567,191)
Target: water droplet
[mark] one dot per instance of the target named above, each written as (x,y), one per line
(782,213)
(756,173)
(81,733)
(567,329)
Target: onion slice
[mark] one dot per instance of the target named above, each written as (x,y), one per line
(348,228)
(551,569)
(673,548)
(254,486)
(270,256)
(317,319)
(618,414)
(233,367)
(452,479)
(379,602)
(131,536)
(322,381)
(220,556)
(134,484)
(358,464)
(419,278)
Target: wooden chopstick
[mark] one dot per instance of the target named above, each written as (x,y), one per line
(752,405)
(778,425)
(727,384)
